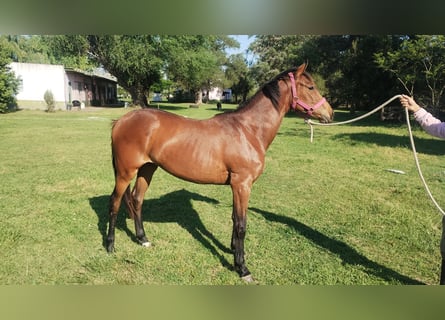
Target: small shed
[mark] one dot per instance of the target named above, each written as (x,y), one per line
(97,88)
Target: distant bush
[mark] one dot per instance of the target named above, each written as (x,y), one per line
(49,99)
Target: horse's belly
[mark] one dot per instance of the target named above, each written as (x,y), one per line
(198,173)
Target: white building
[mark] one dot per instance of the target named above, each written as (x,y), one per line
(220,94)
(67,85)
(35,80)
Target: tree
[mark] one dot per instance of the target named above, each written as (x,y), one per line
(133,59)
(326,58)
(280,52)
(363,84)
(195,62)
(345,63)
(26,48)
(275,54)
(418,63)
(9,84)
(72,51)
(239,76)
(137,61)
(163,86)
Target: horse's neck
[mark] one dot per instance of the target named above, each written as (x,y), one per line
(263,120)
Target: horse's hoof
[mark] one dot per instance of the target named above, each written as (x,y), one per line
(248,278)
(146,244)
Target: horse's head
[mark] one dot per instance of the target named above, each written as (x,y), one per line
(305,97)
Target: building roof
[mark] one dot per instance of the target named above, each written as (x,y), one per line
(98,72)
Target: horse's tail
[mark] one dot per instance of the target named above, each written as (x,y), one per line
(113,123)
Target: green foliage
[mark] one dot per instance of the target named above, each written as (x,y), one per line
(49,100)
(358,71)
(30,49)
(133,59)
(279,52)
(353,66)
(195,62)
(9,84)
(164,85)
(418,63)
(239,76)
(72,51)
(325,56)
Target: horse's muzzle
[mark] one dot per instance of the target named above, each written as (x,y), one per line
(327,117)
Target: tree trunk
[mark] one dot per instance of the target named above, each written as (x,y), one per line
(138,96)
(198,97)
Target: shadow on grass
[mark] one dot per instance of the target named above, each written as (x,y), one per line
(348,254)
(173,207)
(423,145)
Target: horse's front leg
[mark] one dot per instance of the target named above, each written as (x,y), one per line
(241,194)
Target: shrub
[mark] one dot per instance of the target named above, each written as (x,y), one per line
(49,99)
(9,84)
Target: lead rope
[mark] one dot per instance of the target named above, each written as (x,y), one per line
(411,138)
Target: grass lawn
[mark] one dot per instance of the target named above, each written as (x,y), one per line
(322,213)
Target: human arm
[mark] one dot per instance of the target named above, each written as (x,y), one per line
(429,123)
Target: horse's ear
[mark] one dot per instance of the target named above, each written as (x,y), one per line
(301,69)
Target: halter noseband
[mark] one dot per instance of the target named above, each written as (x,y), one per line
(295,100)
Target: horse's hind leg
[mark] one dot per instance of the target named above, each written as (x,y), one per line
(143,180)
(115,202)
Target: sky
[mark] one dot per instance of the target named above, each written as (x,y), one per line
(244,41)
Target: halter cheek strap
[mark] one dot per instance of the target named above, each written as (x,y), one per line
(307,108)
(294,90)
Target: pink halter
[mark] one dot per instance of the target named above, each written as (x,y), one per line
(307,108)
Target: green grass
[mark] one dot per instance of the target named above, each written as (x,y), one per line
(322,213)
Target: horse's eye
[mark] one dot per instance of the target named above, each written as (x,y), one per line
(310,88)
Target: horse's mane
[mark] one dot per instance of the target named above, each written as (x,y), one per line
(270,89)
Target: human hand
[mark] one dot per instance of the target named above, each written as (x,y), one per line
(409,103)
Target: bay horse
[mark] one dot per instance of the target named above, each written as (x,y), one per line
(227,149)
